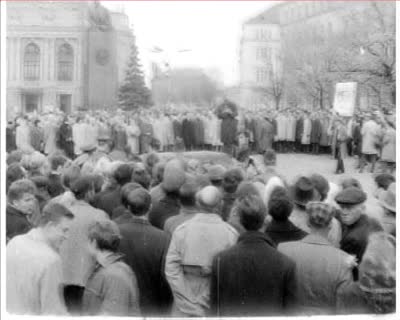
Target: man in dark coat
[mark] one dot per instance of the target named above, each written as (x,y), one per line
(10,137)
(37,136)
(21,203)
(281,229)
(356,225)
(229,133)
(65,141)
(145,247)
(108,200)
(299,132)
(252,278)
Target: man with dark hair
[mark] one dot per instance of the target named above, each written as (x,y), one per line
(145,248)
(121,212)
(232,179)
(21,205)
(108,200)
(77,261)
(187,199)
(323,271)
(281,229)
(240,285)
(34,272)
(57,166)
(112,288)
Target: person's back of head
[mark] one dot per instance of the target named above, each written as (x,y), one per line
(350,183)
(280,204)
(209,199)
(126,189)
(384,180)
(320,184)
(70,174)
(138,201)
(54,212)
(232,179)
(251,211)
(14,172)
(123,174)
(82,187)
(57,162)
(187,193)
(141,176)
(105,234)
(320,215)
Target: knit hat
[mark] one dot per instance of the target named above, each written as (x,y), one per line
(303,191)
(320,214)
(387,198)
(174,176)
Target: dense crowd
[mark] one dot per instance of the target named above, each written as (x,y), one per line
(94,229)
(124,135)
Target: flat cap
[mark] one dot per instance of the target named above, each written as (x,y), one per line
(351,196)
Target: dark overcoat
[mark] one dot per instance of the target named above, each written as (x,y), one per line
(252,279)
(145,247)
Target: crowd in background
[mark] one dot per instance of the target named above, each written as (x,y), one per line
(94,229)
(124,135)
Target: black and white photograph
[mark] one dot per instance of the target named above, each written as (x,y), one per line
(198,158)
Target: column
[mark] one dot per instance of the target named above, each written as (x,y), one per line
(51,59)
(18,60)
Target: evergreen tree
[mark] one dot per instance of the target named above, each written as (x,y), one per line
(133,93)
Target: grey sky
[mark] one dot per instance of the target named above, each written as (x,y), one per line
(211,29)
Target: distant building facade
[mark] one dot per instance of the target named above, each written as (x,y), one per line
(54,60)
(266,38)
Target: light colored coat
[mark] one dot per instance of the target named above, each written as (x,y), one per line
(282,123)
(369,132)
(291,129)
(389,145)
(23,138)
(323,272)
(133,133)
(34,276)
(189,259)
(76,260)
(307,126)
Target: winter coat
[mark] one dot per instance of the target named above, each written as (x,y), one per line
(108,200)
(240,285)
(16,222)
(146,136)
(282,124)
(189,133)
(133,133)
(299,129)
(370,132)
(50,137)
(76,258)
(112,289)
(284,231)
(306,134)
(161,210)
(65,141)
(34,276)
(264,135)
(323,272)
(316,131)
(10,140)
(37,138)
(189,260)
(144,248)
(229,131)
(23,138)
(324,138)
(291,129)
(389,145)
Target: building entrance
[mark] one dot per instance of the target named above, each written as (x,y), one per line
(31,103)
(65,103)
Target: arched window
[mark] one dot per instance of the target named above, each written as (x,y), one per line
(31,62)
(65,62)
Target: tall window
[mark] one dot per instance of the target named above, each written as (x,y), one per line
(31,62)
(65,62)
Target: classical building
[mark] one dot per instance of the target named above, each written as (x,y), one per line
(64,55)
(273,39)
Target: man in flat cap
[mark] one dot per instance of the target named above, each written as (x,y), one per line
(323,271)
(193,247)
(356,225)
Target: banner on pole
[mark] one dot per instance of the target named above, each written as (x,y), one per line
(345,98)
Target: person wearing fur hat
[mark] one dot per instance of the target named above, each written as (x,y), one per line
(323,271)
(192,249)
(375,292)
(356,225)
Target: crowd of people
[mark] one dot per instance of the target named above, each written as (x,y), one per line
(124,135)
(94,229)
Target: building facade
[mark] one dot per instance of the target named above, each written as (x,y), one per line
(48,55)
(278,38)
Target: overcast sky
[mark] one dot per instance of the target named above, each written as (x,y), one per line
(210,29)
